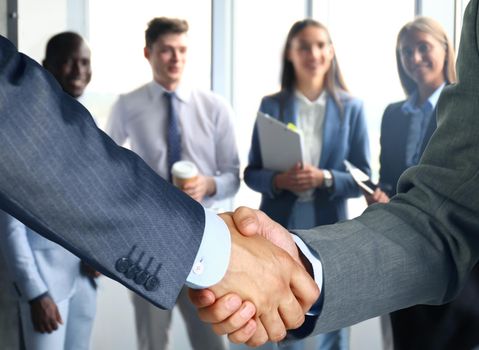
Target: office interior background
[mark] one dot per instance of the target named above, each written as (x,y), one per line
(235,50)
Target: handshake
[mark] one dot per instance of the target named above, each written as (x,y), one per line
(267,288)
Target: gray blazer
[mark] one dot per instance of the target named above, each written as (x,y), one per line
(420,248)
(65,179)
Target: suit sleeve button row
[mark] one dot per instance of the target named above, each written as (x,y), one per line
(140,275)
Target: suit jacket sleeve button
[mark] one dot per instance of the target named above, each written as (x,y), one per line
(123,264)
(152,283)
(141,277)
(133,271)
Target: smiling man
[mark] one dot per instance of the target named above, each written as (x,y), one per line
(56,291)
(67,57)
(167,121)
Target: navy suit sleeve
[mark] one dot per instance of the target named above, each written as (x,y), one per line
(67,180)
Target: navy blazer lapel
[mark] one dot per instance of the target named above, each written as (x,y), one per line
(331,126)
(288,108)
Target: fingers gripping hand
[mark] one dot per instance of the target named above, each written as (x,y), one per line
(251,222)
(268,286)
(228,314)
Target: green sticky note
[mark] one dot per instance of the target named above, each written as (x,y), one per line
(291,126)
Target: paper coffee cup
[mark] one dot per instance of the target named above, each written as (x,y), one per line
(183,172)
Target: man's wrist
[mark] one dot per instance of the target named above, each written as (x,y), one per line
(39,297)
(213,256)
(211,186)
(305,262)
(313,261)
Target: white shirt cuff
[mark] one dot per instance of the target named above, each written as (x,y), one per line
(315,263)
(213,256)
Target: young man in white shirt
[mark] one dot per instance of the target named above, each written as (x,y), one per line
(163,118)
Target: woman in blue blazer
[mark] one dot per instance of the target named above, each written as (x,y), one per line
(314,98)
(425,59)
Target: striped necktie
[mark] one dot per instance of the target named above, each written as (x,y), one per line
(173,137)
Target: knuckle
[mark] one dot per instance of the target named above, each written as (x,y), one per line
(238,337)
(297,322)
(314,294)
(202,315)
(219,329)
(235,339)
(277,335)
(216,314)
(256,341)
(235,323)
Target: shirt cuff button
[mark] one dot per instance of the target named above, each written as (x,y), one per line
(199,267)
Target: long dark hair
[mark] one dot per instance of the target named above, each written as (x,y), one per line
(334,80)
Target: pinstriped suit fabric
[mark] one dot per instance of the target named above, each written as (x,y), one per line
(68,181)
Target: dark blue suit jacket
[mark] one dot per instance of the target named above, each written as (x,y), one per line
(394,135)
(65,179)
(344,137)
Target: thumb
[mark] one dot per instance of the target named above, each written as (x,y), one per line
(276,234)
(58,316)
(251,221)
(201,297)
(246,221)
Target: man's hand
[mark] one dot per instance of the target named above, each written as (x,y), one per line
(45,315)
(231,316)
(201,187)
(299,179)
(377,197)
(252,222)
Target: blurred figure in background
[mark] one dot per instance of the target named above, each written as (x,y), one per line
(167,121)
(425,60)
(315,99)
(10,335)
(56,291)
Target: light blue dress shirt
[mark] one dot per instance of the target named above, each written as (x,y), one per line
(213,256)
(420,118)
(206,125)
(205,120)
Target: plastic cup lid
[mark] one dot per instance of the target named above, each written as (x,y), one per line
(184,169)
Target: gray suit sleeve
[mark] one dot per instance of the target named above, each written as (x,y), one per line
(419,248)
(68,181)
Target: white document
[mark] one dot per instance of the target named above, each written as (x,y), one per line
(281,147)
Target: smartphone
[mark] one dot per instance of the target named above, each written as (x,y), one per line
(361,179)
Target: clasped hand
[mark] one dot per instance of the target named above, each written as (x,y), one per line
(299,178)
(266,289)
